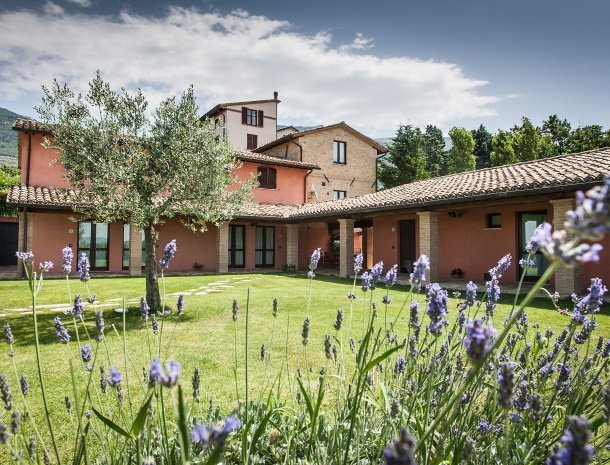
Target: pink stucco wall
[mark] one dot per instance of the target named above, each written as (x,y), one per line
(43,169)
(290,184)
(386,238)
(312,236)
(193,246)
(600,269)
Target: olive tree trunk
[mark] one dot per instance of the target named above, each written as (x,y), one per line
(152,278)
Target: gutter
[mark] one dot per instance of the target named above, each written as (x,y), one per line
(305,186)
(27,183)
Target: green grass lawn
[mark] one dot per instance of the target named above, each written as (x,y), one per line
(205,335)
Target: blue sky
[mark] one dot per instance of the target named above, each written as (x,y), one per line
(373,64)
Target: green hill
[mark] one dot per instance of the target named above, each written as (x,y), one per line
(8,137)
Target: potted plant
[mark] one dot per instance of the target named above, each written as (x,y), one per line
(457,273)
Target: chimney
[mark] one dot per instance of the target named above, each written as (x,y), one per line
(275,95)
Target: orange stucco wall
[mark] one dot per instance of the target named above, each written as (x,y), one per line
(600,269)
(43,169)
(290,184)
(386,238)
(193,246)
(312,236)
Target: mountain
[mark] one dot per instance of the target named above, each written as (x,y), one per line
(8,137)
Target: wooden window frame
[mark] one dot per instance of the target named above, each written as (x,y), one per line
(339,197)
(263,175)
(252,117)
(264,249)
(232,249)
(251,141)
(488,221)
(339,143)
(93,248)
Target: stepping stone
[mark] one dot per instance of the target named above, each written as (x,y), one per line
(215,290)
(120,310)
(200,293)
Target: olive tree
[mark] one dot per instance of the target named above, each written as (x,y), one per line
(129,164)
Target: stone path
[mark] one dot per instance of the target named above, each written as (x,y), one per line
(209,288)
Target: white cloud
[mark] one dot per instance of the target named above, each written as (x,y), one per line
(52,9)
(82,3)
(236,56)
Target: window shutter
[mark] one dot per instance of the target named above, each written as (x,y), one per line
(244,115)
(260,118)
(272,178)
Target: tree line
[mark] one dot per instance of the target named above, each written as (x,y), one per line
(415,154)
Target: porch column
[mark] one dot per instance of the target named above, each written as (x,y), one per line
(368,257)
(428,240)
(292,245)
(222,247)
(567,280)
(346,247)
(25,238)
(135,250)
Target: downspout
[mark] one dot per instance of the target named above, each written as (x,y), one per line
(305,186)
(27,183)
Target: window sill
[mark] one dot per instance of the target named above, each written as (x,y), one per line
(267,188)
(492,229)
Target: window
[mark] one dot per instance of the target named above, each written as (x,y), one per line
(237,241)
(494,221)
(252,117)
(93,241)
(338,195)
(265,246)
(339,152)
(252,142)
(266,177)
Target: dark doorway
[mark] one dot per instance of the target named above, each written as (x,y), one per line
(237,240)
(407,245)
(528,222)
(8,243)
(265,246)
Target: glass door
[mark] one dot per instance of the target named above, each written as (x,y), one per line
(528,222)
(93,240)
(265,246)
(237,241)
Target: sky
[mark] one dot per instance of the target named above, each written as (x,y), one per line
(374,65)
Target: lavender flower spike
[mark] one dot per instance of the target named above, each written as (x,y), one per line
(25,257)
(115,377)
(358,261)
(8,334)
(166,375)
(67,257)
(180,304)
(313,262)
(437,308)
(83,267)
(401,451)
(418,277)
(46,266)
(144,308)
(60,331)
(169,251)
(391,276)
(574,448)
(478,340)
(591,217)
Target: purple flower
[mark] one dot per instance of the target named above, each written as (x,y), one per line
(471,294)
(24,384)
(115,377)
(99,324)
(351,296)
(144,308)
(217,436)
(391,276)
(154,323)
(180,304)
(339,320)
(437,308)
(591,217)
(592,302)
(506,384)
(541,237)
(376,271)
(15,420)
(235,309)
(5,393)
(85,353)
(478,340)
(418,276)
(8,334)
(484,427)
(166,375)
(313,262)
(366,281)
(25,257)
(574,447)
(358,261)
(491,296)
(46,266)
(276,307)
(386,299)
(196,380)
(401,451)
(400,365)
(60,331)
(558,246)
(305,331)
(501,267)
(527,263)
(67,257)
(169,251)
(83,267)
(585,332)
(78,308)
(414,314)
(4,436)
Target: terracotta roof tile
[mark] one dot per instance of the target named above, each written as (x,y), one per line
(35,195)
(268,159)
(21,124)
(564,171)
